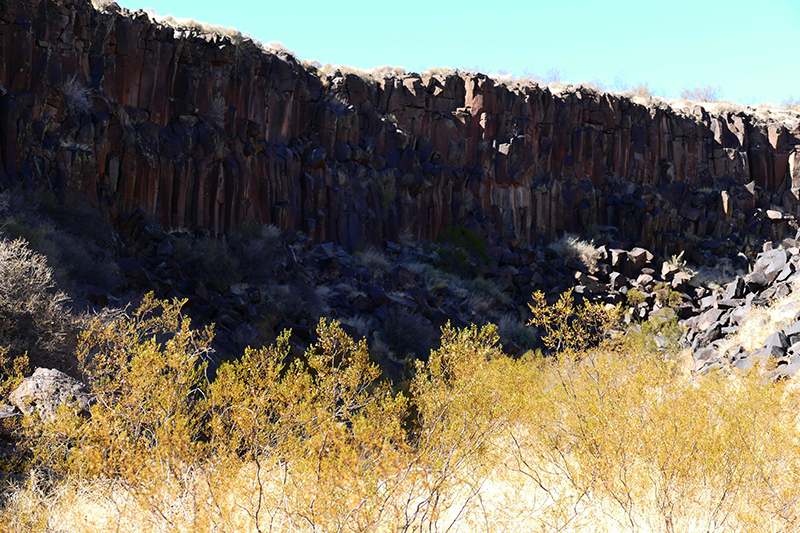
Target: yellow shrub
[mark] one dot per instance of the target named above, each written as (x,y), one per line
(615,437)
(147,376)
(325,417)
(570,328)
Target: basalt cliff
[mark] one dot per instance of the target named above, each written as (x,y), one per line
(195,130)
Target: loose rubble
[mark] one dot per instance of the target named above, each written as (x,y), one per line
(775,275)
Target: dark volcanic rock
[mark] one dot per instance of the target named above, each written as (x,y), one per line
(194,130)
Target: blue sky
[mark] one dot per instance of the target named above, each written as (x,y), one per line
(751,50)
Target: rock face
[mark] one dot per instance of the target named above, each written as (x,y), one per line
(197,131)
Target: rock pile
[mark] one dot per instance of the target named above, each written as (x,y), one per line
(775,276)
(303,281)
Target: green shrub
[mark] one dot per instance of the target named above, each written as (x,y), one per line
(209,259)
(635,297)
(459,250)
(665,296)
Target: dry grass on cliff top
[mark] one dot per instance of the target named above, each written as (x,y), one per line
(615,437)
(706,97)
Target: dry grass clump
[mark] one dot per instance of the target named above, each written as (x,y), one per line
(571,248)
(615,437)
(373,260)
(715,277)
(76,95)
(640,93)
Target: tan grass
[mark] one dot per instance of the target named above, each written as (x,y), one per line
(618,438)
(364,324)
(373,260)
(714,278)
(571,247)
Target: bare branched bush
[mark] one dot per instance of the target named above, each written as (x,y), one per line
(554,77)
(33,318)
(705,93)
(791,102)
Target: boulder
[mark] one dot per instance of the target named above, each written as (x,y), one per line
(776,344)
(47,390)
(793,332)
(788,369)
(735,288)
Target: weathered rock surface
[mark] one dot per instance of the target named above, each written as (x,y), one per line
(47,390)
(774,276)
(192,130)
(197,131)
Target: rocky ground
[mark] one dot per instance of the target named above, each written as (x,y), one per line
(260,281)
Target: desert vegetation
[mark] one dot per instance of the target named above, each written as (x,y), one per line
(603,431)
(705,93)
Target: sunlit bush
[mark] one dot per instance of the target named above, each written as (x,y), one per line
(610,434)
(33,318)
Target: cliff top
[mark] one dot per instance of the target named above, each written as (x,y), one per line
(764,113)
